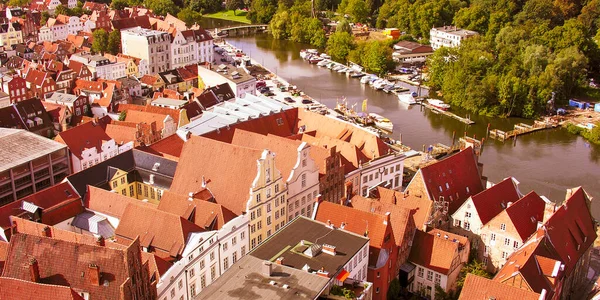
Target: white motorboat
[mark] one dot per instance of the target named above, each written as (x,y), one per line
(337,67)
(382,122)
(439,104)
(407,98)
(325,56)
(342,70)
(365,79)
(323,63)
(379,84)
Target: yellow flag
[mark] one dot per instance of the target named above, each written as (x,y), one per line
(364,105)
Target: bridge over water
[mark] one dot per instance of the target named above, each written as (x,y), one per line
(240,30)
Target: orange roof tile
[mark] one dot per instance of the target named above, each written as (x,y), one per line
(109,203)
(480,288)
(202,212)
(220,163)
(84,136)
(121,134)
(164,233)
(434,252)
(17,289)
(169,147)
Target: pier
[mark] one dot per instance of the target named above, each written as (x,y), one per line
(240,30)
(446,113)
(520,129)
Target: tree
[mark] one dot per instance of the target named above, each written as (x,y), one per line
(262,11)
(344,26)
(394,289)
(123,115)
(61,10)
(114,42)
(162,7)
(119,4)
(473,267)
(44,18)
(18,3)
(358,9)
(189,16)
(339,45)
(280,25)
(234,4)
(100,37)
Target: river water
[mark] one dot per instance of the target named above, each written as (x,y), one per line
(548,161)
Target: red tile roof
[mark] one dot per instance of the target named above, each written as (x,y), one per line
(205,214)
(220,163)
(526,213)
(456,176)
(436,252)
(169,147)
(420,206)
(58,203)
(17,289)
(3,254)
(74,261)
(163,233)
(157,110)
(121,134)
(279,124)
(109,203)
(494,200)
(84,136)
(480,288)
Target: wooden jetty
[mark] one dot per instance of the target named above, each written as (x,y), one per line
(520,129)
(446,113)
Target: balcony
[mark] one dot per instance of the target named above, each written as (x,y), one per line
(350,289)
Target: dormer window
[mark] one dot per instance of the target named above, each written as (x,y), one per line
(503,227)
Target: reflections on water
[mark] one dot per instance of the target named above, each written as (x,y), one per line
(546,161)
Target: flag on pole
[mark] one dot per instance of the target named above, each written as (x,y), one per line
(364,105)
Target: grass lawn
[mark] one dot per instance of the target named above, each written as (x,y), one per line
(228,15)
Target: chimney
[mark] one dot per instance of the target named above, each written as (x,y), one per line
(46,231)
(329,249)
(323,273)
(94,274)
(387,218)
(34,270)
(267,268)
(100,241)
(279,261)
(319,198)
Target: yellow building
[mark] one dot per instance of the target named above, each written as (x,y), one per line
(10,34)
(131,185)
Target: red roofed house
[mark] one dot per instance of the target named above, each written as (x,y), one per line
(16,88)
(40,84)
(17,289)
(511,228)
(554,262)
(89,145)
(378,228)
(449,182)
(95,272)
(439,256)
(55,205)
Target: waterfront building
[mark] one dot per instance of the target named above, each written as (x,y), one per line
(152,45)
(411,52)
(447,183)
(31,163)
(448,36)
(376,227)
(510,229)
(190,47)
(317,257)
(554,261)
(238,78)
(438,257)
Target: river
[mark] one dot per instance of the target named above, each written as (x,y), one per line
(548,161)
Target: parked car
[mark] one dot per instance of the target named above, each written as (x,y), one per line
(289,100)
(260,84)
(306,101)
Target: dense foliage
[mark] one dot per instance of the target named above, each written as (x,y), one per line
(295,23)
(526,51)
(592,135)
(374,56)
(473,267)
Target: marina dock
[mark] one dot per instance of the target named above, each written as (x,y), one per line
(521,129)
(446,113)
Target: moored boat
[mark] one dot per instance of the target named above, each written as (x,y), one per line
(314,59)
(407,98)
(323,63)
(439,104)
(382,122)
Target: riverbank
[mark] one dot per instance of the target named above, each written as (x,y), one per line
(239,16)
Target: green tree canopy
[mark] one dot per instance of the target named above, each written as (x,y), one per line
(262,11)
(119,4)
(189,16)
(162,7)
(234,5)
(18,2)
(100,43)
(114,42)
(339,45)
(344,26)
(358,10)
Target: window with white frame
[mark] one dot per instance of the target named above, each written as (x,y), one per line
(429,275)
(420,272)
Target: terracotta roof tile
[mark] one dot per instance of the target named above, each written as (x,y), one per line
(169,147)
(17,289)
(480,288)
(526,213)
(495,199)
(121,134)
(456,176)
(199,210)
(434,252)
(84,136)
(3,254)
(149,109)
(164,233)
(109,203)
(220,163)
